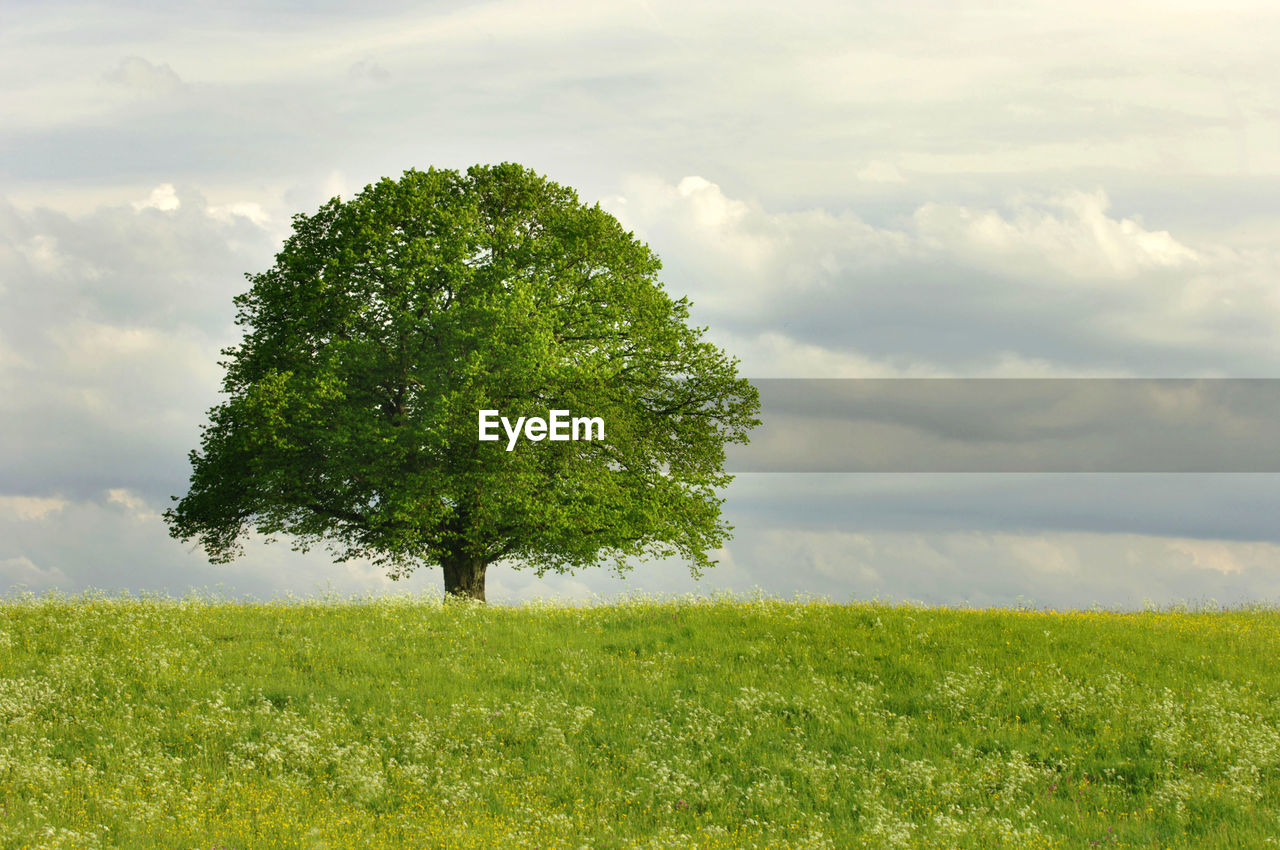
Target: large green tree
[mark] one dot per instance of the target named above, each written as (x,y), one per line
(389,321)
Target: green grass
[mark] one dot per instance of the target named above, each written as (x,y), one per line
(708,723)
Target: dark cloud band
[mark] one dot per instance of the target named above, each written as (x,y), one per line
(1009,425)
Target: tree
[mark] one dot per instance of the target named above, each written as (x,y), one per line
(389,322)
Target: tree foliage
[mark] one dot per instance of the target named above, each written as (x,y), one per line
(388,321)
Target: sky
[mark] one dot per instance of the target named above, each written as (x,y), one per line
(870,190)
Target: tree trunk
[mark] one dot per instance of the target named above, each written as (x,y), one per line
(464,577)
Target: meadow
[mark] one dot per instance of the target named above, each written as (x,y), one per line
(722,722)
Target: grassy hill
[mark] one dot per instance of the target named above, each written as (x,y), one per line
(722,723)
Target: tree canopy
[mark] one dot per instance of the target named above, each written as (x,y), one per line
(390,321)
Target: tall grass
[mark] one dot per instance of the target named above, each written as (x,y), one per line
(646,723)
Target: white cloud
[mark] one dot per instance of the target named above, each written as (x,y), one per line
(163,197)
(94,345)
(92,380)
(137,73)
(133,503)
(250,210)
(1043,286)
(367,69)
(861,218)
(110,348)
(877,171)
(711,209)
(509,22)
(727,228)
(1071,234)
(118,541)
(21,571)
(167,260)
(9,357)
(815,103)
(737,255)
(1072,569)
(41,252)
(31,507)
(772,354)
(336,184)
(1223,556)
(1044,554)
(775,355)
(122,363)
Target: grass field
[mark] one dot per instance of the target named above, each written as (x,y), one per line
(688,723)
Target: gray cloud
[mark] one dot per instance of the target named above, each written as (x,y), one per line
(21,573)
(1010,425)
(892,190)
(137,73)
(774,105)
(1059,284)
(367,69)
(977,540)
(113,322)
(1236,507)
(984,568)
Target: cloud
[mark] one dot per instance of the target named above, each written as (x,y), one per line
(773,354)
(833,102)
(31,507)
(21,572)
(41,253)
(1055,284)
(249,210)
(162,198)
(850,192)
(1059,570)
(978,540)
(114,540)
(107,404)
(133,503)
(112,322)
(137,73)
(877,171)
(735,257)
(168,259)
(1238,508)
(367,69)
(1071,235)
(1011,425)
(113,319)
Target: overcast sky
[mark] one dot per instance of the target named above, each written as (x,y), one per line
(844,190)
